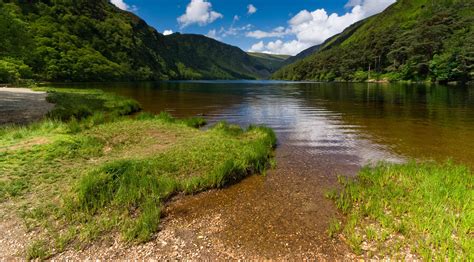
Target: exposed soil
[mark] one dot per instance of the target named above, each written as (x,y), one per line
(27,144)
(14,237)
(21,105)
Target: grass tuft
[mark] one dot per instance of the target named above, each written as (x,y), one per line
(195,122)
(165,117)
(426,207)
(38,250)
(335,228)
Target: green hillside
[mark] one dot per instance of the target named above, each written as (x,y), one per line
(92,40)
(412,40)
(210,59)
(333,40)
(270,61)
(302,55)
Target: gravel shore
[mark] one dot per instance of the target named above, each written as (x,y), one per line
(22,105)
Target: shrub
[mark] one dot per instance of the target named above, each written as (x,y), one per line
(12,70)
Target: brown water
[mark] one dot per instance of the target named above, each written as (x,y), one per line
(362,122)
(323,130)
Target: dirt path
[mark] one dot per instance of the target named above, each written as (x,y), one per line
(22,105)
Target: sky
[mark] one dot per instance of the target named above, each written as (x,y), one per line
(268,26)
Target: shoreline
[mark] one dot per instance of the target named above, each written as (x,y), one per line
(268,81)
(22,105)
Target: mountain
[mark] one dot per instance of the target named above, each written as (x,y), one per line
(210,59)
(270,61)
(92,40)
(411,40)
(302,55)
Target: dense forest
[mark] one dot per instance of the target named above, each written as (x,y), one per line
(419,40)
(92,40)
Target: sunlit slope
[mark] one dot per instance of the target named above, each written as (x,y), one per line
(270,61)
(410,40)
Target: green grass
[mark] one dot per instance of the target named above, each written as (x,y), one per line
(85,179)
(334,228)
(37,250)
(427,207)
(80,104)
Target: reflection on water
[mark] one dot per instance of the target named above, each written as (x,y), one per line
(357,123)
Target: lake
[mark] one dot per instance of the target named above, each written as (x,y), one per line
(324,130)
(358,123)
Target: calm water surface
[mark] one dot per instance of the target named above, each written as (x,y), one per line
(357,123)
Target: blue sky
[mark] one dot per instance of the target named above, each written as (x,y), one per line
(270,26)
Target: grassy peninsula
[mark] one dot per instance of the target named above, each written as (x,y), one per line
(90,171)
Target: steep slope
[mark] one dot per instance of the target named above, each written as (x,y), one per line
(339,38)
(270,61)
(302,55)
(92,40)
(411,40)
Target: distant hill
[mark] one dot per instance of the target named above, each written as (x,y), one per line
(411,40)
(206,58)
(92,40)
(270,61)
(302,55)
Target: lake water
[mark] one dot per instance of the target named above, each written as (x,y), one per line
(358,123)
(324,130)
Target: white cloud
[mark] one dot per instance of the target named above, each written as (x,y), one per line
(213,34)
(258,47)
(167,32)
(198,12)
(236,18)
(251,9)
(277,32)
(353,3)
(313,28)
(122,5)
(279,47)
(231,31)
